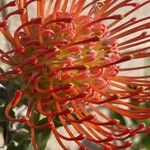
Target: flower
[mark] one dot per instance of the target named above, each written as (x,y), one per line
(67,60)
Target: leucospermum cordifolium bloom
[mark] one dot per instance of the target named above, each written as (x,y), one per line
(67,59)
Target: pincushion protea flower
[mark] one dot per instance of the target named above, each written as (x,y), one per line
(67,61)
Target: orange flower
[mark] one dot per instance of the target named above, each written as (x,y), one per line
(67,62)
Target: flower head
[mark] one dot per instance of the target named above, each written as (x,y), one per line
(67,61)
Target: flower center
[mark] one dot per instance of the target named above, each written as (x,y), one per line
(65,56)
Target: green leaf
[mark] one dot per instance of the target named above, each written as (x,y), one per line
(43,135)
(119,117)
(25,145)
(37,116)
(146,141)
(12,146)
(21,135)
(57,122)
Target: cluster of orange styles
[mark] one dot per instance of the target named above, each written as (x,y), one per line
(69,60)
